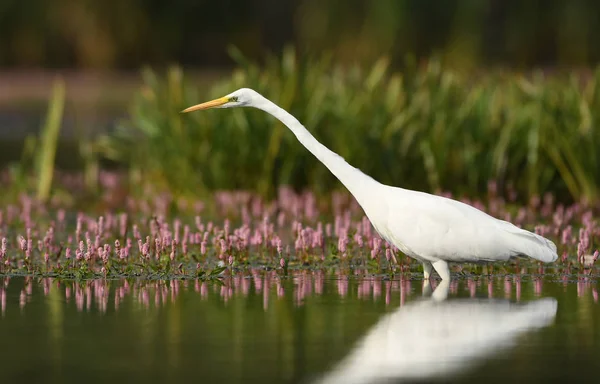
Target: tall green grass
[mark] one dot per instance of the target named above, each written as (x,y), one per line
(49,140)
(426,127)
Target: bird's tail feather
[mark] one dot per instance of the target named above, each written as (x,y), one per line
(532,245)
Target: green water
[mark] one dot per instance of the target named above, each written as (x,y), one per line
(314,327)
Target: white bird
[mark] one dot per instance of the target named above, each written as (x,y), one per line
(432,339)
(432,229)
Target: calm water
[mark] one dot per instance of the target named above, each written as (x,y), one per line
(314,327)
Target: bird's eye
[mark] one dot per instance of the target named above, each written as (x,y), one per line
(234,99)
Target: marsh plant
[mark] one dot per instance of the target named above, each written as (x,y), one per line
(166,237)
(424,127)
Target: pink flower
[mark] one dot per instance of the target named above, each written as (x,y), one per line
(3,248)
(580,251)
(358,239)
(566,236)
(223,244)
(376,244)
(373,253)
(342,242)
(146,250)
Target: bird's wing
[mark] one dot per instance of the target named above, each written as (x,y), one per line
(440,228)
(527,243)
(513,229)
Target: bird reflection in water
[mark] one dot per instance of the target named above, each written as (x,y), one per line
(436,337)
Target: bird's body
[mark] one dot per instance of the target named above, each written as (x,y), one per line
(432,229)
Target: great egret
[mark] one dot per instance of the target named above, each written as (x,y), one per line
(431,339)
(433,229)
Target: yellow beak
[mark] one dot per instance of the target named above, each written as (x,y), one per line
(209,104)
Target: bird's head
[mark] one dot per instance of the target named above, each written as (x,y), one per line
(243,97)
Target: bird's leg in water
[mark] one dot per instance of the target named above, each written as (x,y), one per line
(441,267)
(427,267)
(441,291)
(426,288)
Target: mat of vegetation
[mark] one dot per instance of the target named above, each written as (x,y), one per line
(164,237)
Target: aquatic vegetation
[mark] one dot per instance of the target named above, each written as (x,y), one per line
(166,237)
(426,127)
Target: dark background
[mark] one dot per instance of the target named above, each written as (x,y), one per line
(125,34)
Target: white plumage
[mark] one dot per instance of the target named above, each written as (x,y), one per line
(432,229)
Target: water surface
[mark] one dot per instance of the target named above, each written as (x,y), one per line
(313,327)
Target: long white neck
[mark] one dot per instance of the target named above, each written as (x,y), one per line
(362,187)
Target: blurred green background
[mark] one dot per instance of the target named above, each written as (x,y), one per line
(129,33)
(432,95)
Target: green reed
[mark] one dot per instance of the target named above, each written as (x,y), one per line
(425,127)
(49,141)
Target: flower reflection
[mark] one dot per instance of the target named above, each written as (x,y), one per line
(298,287)
(3,301)
(537,287)
(584,285)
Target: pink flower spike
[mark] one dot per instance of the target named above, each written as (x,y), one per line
(3,248)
